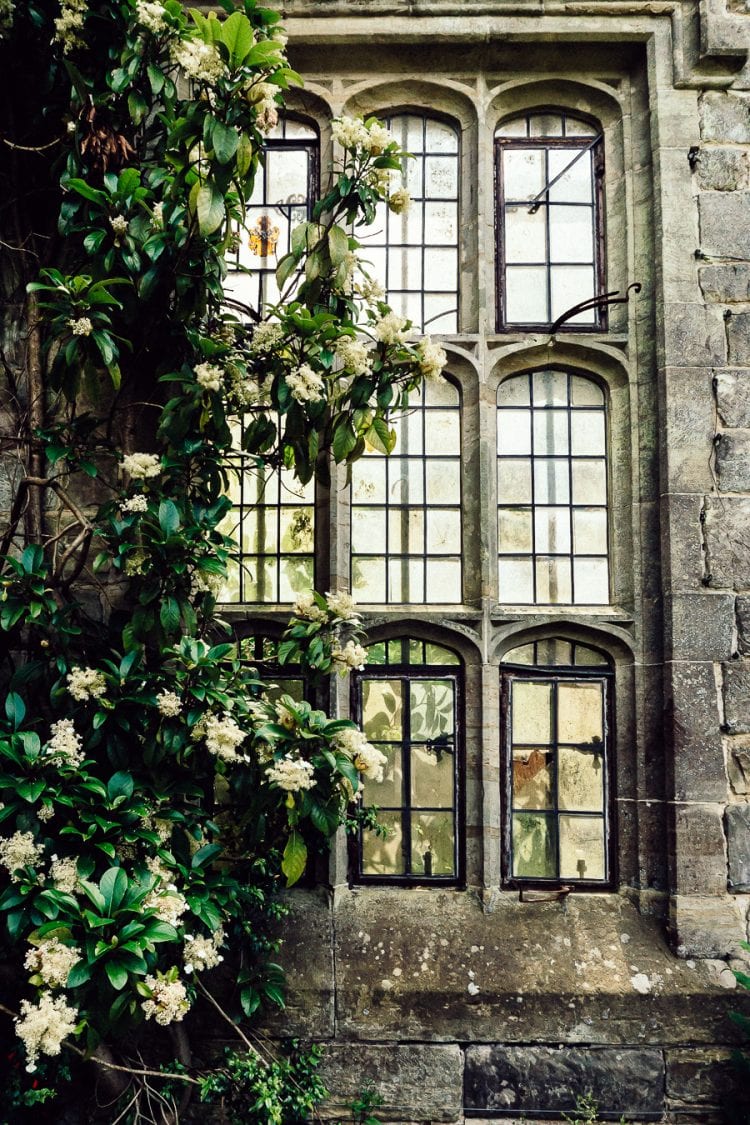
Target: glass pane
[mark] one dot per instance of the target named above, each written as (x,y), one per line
(368,481)
(368,579)
(406,580)
(404,268)
(570,286)
(443,581)
(575,128)
(405,484)
(514,531)
(550,388)
(587,432)
(440,222)
(513,481)
(382,710)
(526,295)
(532,777)
(534,846)
(575,185)
(584,392)
(524,654)
(376,653)
(443,532)
(531,705)
(514,391)
(296,530)
(552,530)
(293,688)
(436,654)
(405,531)
(554,652)
(296,577)
(592,581)
(432,771)
(579,713)
(440,392)
(286,176)
(408,429)
(553,581)
(513,432)
(259,580)
(431,709)
(389,791)
(433,844)
(515,578)
(582,847)
(523,173)
(384,856)
(259,531)
(440,313)
(546,125)
(443,432)
(440,137)
(580,780)
(589,657)
(589,482)
(515,128)
(590,531)
(368,529)
(571,234)
(525,234)
(551,481)
(441,177)
(443,482)
(550,431)
(441,269)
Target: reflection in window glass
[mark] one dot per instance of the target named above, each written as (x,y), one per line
(272,519)
(409,711)
(283,195)
(406,508)
(557,729)
(549,180)
(552,490)
(414,256)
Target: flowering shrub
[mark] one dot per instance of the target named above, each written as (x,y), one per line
(154,796)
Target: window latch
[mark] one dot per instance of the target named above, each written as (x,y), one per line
(602,301)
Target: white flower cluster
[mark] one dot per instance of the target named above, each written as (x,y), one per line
(391,329)
(371,290)
(307,608)
(209,376)
(292,774)
(285,717)
(200,61)
(432,359)
(201,583)
(305,384)
(263,96)
(399,201)
(69,23)
(265,337)
(168,905)
(169,704)
(86,683)
(150,16)
(64,874)
(351,133)
(353,355)
(223,736)
(137,503)
(17,851)
(141,465)
(351,656)
(65,747)
(202,953)
(81,327)
(6,15)
(119,225)
(366,757)
(342,605)
(42,1027)
(168,1002)
(52,961)
(157,217)
(245,390)
(379,180)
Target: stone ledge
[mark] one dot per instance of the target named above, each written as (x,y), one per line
(417,1082)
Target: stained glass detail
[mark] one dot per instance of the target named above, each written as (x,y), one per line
(552,490)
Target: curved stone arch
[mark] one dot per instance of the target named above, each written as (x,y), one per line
(464,643)
(444,100)
(613,640)
(590,358)
(589,99)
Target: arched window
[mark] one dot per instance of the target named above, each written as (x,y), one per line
(550,167)
(406,507)
(552,490)
(409,705)
(557,723)
(285,189)
(415,255)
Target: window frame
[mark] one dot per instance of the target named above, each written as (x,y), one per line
(605,675)
(406,672)
(601,318)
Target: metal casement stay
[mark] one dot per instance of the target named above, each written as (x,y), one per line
(536,202)
(600,302)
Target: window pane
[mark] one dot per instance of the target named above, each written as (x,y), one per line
(384,856)
(515,580)
(546,125)
(582,847)
(523,173)
(554,651)
(443,582)
(431,709)
(585,392)
(570,286)
(589,482)
(514,392)
(590,531)
(389,791)
(443,532)
(587,432)
(368,579)
(526,295)
(382,710)
(550,432)
(534,846)
(513,432)
(513,481)
(368,529)
(525,235)
(443,481)
(579,713)
(433,844)
(443,432)
(551,481)
(592,581)
(406,580)
(575,185)
(532,777)
(440,223)
(552,530)
(571,234)
(580,780)
(296,577)
(405,532)
(432,777)
(553,581)
(550,388)
(532,713)
(514,532)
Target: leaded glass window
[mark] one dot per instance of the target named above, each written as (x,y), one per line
(557,722)
(262,652)
(406,507)
(414,255)
(552,490)
(549,219)
(283,196)
(408,703)
(272,518)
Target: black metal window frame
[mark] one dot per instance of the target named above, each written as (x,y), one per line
(570,457)
(554,676)
(409,672)
(600,323)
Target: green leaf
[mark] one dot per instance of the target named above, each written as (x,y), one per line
(137,107)
(344,440)
(244,155)
(120,784)
(294,858)
(15,709)
(381,436)
(285,269)
(237,35)
(169,614)
(338,245)
(210,209)
(113,885)
(118,976)
(31,790)
(225,142)
(169,517)
(82,188)
(204,855)
(79,974)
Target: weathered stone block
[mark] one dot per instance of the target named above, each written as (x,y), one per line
(682,542)
(693,336)
(307,956)
(738,327)
(726,284)
(738,846)
(737,696)
(727,533)
(690,423)
(699,1078)
(700,626)
(539,1079)
(725,117)
(733,394)
(725,231)
(733,461)
(698,760)
(742,613)
(722,169)
(706,927)
(700,861)
(738,765)
(417,1082)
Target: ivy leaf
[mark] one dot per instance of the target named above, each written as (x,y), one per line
(209,207)
(294,858)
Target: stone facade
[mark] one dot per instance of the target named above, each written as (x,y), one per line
(625,993)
